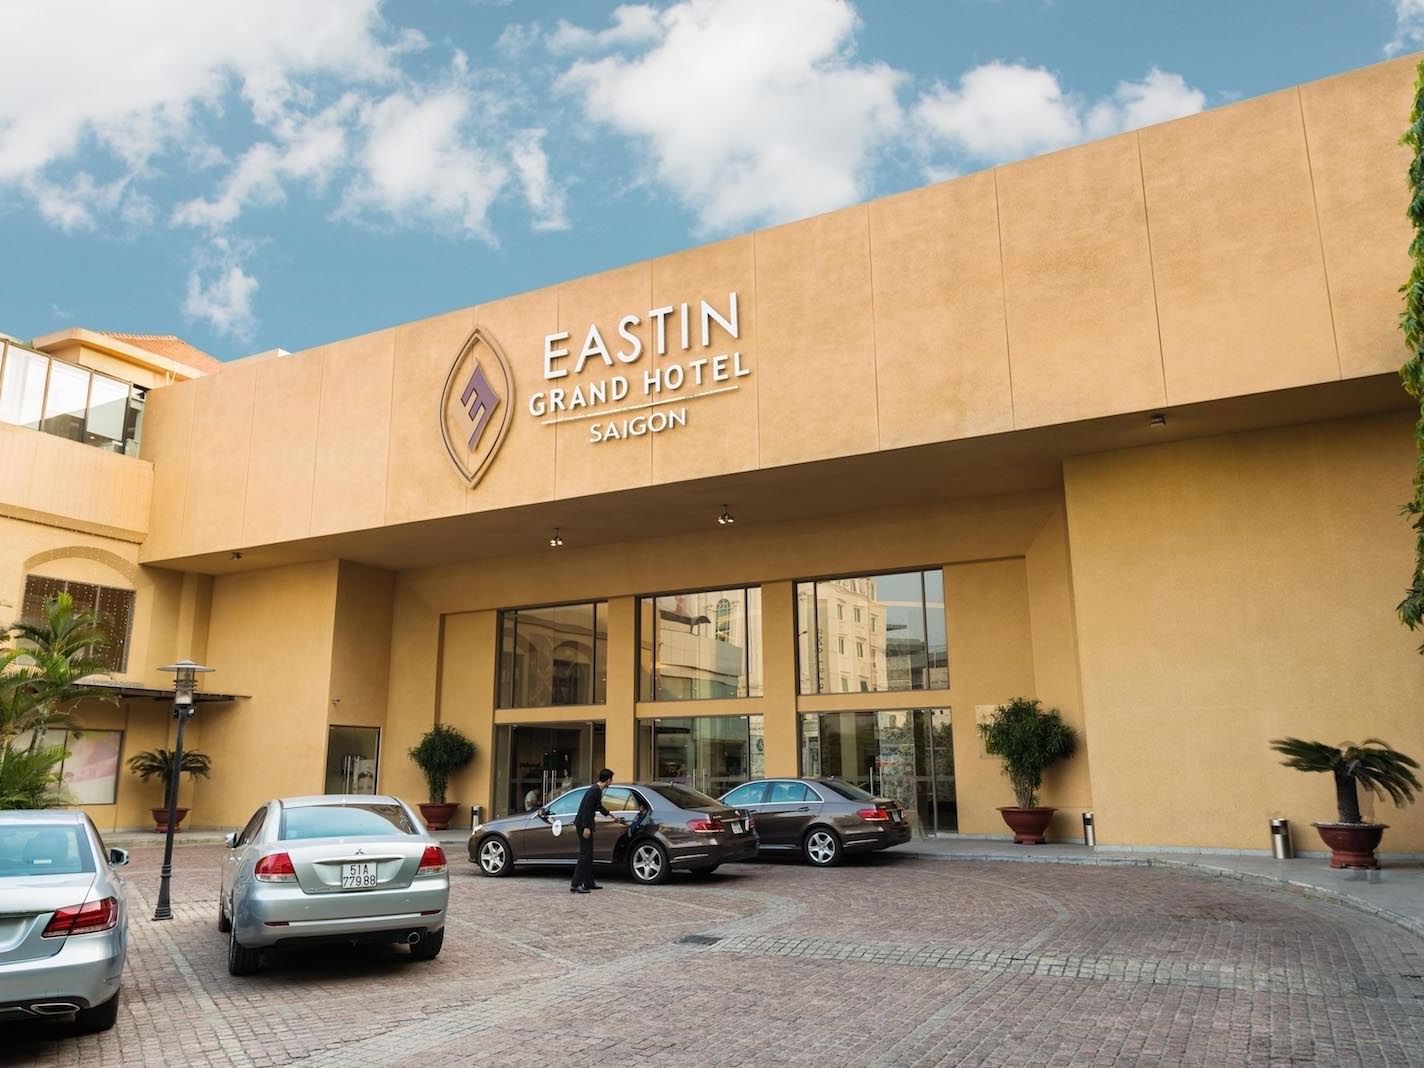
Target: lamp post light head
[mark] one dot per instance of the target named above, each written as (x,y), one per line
(185,680)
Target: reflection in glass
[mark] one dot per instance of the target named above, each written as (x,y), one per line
(872,634)
(66,400)
(907,755)
(22,387)
(553,656)
(351,756)
(708,753)
(700,645)
(536,762)
(108,407)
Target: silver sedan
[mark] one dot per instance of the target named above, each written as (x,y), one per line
(63,920)
(332,868)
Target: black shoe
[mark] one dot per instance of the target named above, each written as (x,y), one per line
(578,889)
(594,886)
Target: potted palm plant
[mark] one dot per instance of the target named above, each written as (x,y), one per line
(159,763)
(1028,740)
(441,752)
(1382,771)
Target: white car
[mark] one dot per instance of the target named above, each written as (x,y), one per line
(332,868)
(63,920)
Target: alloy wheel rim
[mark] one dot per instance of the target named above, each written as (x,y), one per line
(492,857)
(821,847)
(647,863)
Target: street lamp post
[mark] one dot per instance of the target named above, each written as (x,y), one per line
(184,683)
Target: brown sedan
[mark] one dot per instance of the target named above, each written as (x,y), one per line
(823,819)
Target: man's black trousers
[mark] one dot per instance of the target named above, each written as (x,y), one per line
(583,873)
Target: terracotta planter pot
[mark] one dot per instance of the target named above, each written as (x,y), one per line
(1352,845)
(1028,824)
(437,817)
(160,819)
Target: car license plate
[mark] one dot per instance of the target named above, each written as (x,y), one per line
(895,816)
(359,876)
(736,826)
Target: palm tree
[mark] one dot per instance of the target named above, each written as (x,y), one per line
(42,668)
(159,762)
(1382,770)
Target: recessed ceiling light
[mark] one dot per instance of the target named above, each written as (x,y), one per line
(556,541)
(726,518)
(1158,419)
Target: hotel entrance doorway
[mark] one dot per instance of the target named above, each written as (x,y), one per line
(904,754)
(535,762)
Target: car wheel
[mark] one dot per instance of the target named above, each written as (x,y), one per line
(240,959)
(224,924)
(428,948)
(648,863)
(822,847)
(99,1018)
(494,857)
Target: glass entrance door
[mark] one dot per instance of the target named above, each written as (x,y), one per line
(351,755)
(708,753)
(535,762)
(904,754)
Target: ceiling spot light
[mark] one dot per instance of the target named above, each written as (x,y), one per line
(235,556)
(1158,419)
(726,519)
(556,541)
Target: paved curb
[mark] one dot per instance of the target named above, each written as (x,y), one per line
(1210,871)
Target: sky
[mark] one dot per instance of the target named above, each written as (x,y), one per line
(255,174)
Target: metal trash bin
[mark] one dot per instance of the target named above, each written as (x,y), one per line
(1281,847)
(474,815)
(1090,836)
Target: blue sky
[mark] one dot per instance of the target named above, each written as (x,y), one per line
(261,173)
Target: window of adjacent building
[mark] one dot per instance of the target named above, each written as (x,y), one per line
(89,773)
(66,399)
(113,606)
(910,652)
(108,412)
(22,387)
(70,401)
(553,656)
(700,645)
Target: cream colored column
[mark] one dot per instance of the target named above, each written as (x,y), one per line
(466,701)
(621,737)
(778,636)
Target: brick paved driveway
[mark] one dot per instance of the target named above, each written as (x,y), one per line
(888,961)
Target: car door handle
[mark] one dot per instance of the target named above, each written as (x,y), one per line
(804,808)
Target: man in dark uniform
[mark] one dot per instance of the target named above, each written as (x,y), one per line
(583,826)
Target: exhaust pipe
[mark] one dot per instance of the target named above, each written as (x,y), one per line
(412,938)
(53,1008)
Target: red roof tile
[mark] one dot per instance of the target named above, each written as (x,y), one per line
(171,346)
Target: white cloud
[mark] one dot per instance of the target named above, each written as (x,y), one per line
(220,293)
(545,198)
(633,24)
(1408,27)
(419,162)
(1004,111)
(750,112)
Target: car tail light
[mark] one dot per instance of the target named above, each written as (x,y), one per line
(874,815)
(88,918)
(276,868)
(432,861)
(705,825)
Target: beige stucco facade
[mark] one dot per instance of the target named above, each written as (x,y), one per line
(959,378)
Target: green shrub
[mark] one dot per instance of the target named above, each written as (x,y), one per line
(1029,741)
(441,752)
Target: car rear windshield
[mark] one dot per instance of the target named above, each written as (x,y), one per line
(44,849)
(344,821)
(686,797)
(845,789)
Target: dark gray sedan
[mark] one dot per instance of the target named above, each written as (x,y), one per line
(685,831)
(823,819)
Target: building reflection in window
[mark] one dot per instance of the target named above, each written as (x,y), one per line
(700,645)
(708,753)
(893,638)
(553,656)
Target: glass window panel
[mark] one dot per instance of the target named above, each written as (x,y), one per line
(90,773)
(66,400)
(108,408)
(600,653)
(548,657)
(647,639)
(133,421)
(750,794)
(938,641)
(807,647)
(114,607)
(703,645)
(351,755)
(22,387)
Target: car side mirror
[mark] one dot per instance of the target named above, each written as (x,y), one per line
(118,857)
(543,814)
(230,840)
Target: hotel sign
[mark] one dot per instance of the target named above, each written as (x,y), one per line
(690,356)
(476,404)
